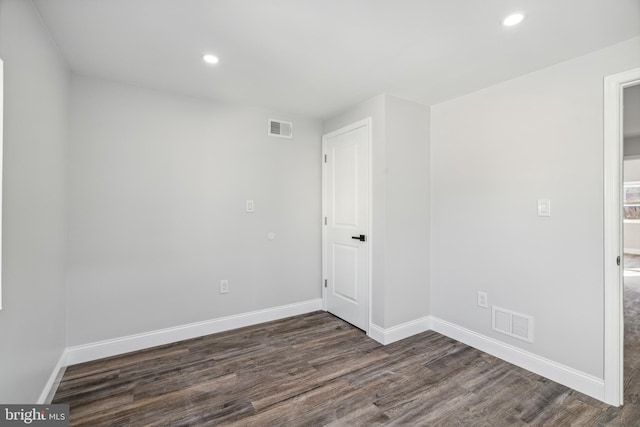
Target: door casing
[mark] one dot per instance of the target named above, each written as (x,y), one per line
(613,281)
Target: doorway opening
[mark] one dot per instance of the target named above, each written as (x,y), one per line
(631,238)
(615,341)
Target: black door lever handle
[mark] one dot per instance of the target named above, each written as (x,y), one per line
(361,237)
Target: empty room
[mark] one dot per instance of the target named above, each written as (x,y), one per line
(319,212)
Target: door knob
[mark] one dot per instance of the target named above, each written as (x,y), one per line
(361,237)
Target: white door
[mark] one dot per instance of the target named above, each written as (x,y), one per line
(346,230)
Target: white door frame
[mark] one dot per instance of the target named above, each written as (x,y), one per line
(365,122)
(613,288)
(1,162)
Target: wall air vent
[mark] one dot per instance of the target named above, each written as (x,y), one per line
(513,324)
(280,128)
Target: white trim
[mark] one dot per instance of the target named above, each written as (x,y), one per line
(632,157)
(369,121)
(370,238)
(112,347)
(54,380)
(567,376)
(399,332)
(376,333)
(613,295)
(632,251)
(577,380)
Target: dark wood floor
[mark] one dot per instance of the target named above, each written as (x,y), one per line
(317,370)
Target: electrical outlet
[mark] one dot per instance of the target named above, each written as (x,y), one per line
(482,299)
(224,286)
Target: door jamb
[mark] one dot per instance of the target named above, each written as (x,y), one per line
(613,288)
(370,238)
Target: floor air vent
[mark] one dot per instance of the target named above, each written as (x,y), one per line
(513,324)
(280,128)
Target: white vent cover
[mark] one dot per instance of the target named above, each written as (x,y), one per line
(280,128)
(513,324)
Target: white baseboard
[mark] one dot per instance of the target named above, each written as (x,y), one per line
(54,380)
(112,347)
(632,251)
(399,332)
(565,375)
(577,380)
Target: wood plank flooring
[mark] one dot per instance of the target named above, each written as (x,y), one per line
(316,370)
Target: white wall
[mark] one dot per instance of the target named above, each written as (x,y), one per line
(400,206)
(631,170)
(631,230)
(32,319)
(157,211)
(494,153)
(407,211)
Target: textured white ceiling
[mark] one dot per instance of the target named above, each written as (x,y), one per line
(318,57)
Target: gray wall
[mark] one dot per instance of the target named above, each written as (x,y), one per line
(494,153)
(631,99)
(632,145)
(400,206)
(631,120)
(32,319)
(408,212)
(157,189)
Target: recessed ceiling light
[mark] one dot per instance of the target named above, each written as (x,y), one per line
(512,20)
(210,59)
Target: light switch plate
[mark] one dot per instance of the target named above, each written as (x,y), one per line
(544,207)
(249,206)
(224,286)
(482,299)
